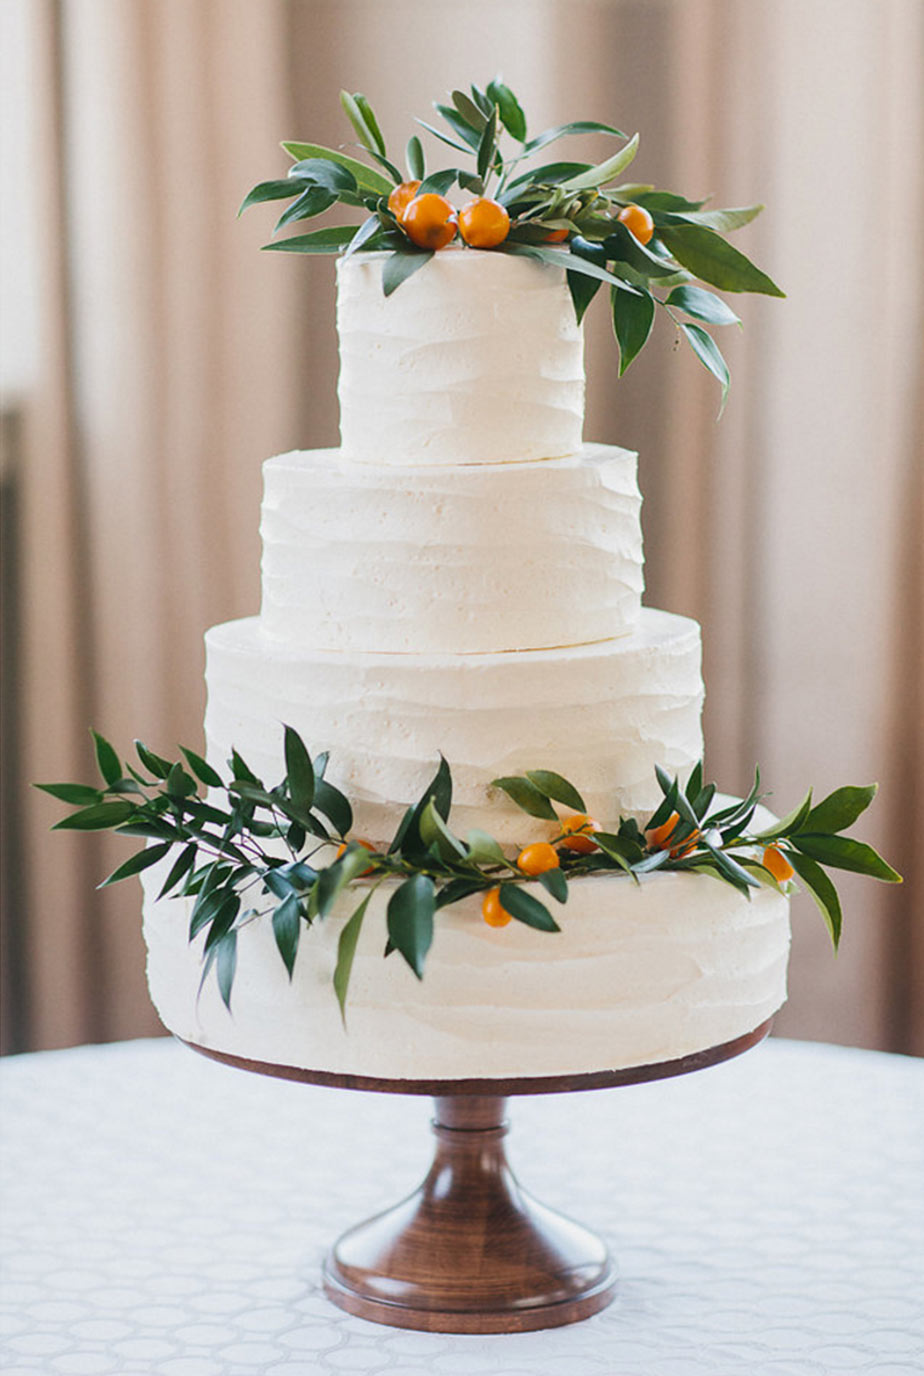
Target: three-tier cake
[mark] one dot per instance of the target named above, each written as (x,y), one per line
(464,576)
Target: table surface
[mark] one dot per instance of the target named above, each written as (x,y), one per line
(165,1214)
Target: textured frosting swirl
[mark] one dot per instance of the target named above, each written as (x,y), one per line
(603,715)
(476,358)
(463,559)
(638,974)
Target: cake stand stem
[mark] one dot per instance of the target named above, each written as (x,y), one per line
(470,1251)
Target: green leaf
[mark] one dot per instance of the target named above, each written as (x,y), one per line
(440,790)
(709,257)
(556,788)
(153,763)
(357,112)
(370,121)
(470,182)
(603,172)
(136,863)
(822,891)
(624,852)
(664,200)
(668,804)
(326,173)
(229,905)
(299,771)
(346,950)
(556,884)
(695,781)
(633,317)
(580,126)
(470,112)
(226,966)
(334,805)
(481,100)
(180,867)
(327,889)
(487,147)
(330,239)
(526,796)
(509,108)
(417,170)
(410,920)
(840,809)
(108,761)
(460,126)
(434,831)
(389,166)
(78,795)
(443,138)
(313,201)
(702,305)
(367,179)
(202,769)
(400,266)
(240,769)
(583,289)
(709,354)
(281,190)
(408,838)
(730,868)
(550,174)
(483,849)
(287,926)
(721,220)
(562,258)
(99,817)
(621,245)
(438,182)
(178,783)
(843,853)
(793,821)
(526,909)
(457,889)
(367,230)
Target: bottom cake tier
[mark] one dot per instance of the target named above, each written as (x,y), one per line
(603,715)
(639,974)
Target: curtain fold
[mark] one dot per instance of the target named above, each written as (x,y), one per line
(176,357)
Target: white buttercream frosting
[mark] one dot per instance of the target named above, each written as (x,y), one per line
(603,715)
(638,974)
(465,560)
(476,358)
(462,577)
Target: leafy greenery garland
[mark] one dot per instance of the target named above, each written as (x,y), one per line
(576,199)
(228,857)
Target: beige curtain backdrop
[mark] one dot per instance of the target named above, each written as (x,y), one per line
(175,357)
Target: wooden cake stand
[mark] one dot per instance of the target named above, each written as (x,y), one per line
(470,1251)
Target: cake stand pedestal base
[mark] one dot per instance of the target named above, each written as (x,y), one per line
(470,1251)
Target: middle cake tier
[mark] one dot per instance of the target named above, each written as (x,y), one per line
(455,560)
(603,715)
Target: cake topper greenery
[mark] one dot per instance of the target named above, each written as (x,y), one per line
(649,247)
(285,853)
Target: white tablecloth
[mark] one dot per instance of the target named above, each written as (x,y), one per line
(165,1214)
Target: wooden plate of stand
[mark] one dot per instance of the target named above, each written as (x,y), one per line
(470,1251)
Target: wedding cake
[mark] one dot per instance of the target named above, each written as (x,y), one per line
(464,576)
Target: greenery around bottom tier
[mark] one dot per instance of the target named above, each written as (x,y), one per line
(285,853)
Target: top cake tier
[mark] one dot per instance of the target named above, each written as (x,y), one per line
(476,358)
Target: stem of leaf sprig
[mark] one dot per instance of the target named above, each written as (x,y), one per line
(431,867)
(688,244)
